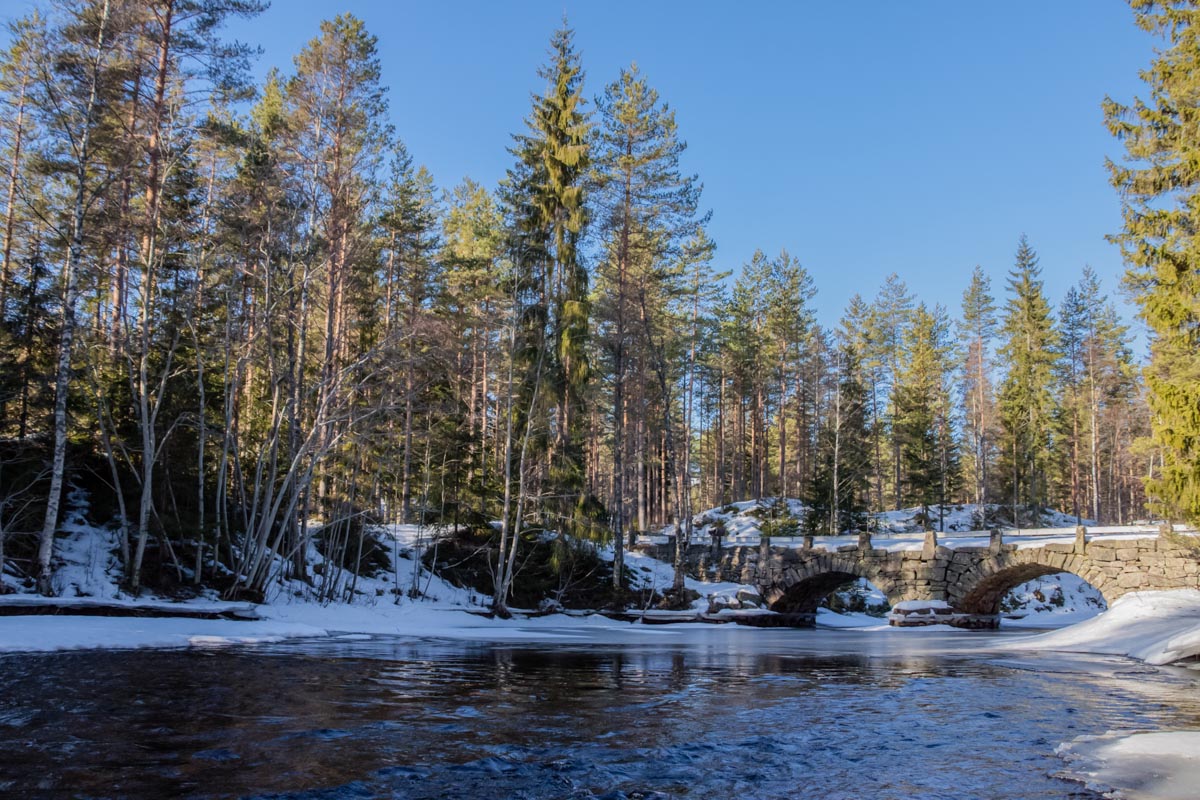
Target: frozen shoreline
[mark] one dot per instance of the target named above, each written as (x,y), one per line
(1155,627)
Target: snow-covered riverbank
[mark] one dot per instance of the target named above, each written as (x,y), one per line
(1155,627)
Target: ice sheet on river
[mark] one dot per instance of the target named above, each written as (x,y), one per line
(1160,765)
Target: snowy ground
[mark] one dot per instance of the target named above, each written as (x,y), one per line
(743,519)
(87,572)
(443,611)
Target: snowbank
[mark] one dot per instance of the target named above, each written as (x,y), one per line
(302,619)
(1155,627)
(1137,766)
(34,634)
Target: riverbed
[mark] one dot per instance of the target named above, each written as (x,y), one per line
(720,712)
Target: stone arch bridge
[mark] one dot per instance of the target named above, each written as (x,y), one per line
(963,584)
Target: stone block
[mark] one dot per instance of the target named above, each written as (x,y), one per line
(1132,580)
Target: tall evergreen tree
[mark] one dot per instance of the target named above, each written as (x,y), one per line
(562,131)
(922,426)
(1159,183)
(888,323)
(546,215)
(1026,394)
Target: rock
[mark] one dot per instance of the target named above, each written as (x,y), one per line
(745,596)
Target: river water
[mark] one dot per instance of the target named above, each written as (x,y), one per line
(717,713)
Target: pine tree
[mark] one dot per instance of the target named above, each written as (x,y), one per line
(978,330)
(73,97)
(17,79)
(646,208)
(889,318)
(563,130)
(1098,386)
(790,318)
(1072,320)
(838,495)
(1159,184)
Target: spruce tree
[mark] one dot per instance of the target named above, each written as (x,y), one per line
(1159,183)
(923,426)
(563,129)
(546,216)
(1026,394)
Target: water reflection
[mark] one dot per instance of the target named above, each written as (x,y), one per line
(720,716)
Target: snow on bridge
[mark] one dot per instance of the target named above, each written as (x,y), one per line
(898,542)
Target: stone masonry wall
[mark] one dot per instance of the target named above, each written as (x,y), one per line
(971,579)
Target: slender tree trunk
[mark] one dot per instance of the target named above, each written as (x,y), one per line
(10,210)
(67,315)
(835,511)
(783,485)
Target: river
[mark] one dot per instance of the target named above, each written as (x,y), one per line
(720,712)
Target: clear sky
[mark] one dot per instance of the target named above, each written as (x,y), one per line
(866,138)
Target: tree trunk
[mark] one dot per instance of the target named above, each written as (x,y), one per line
(67,317)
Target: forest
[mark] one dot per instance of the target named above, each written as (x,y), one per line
(244,321)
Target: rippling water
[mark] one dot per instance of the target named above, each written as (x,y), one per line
(721,714)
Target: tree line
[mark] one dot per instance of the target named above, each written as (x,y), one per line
(248,322)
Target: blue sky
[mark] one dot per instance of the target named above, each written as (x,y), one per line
(920,138)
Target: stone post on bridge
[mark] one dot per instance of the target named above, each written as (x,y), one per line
(995,542)
(808,541)
(1080,539)
(929,550)
(864,541)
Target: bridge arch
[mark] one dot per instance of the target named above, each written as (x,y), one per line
(981,590)
(801,588)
